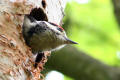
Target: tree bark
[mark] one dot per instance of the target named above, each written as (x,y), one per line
(16,59)
(79,66)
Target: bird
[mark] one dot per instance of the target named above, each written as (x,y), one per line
(43,36)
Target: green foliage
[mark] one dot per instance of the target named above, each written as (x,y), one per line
(67,78)
(94,27)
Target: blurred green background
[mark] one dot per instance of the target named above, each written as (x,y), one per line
(93,25)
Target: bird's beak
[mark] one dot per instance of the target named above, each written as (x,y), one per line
(68,41)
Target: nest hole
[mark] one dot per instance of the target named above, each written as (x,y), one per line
(38,14)
(44,3)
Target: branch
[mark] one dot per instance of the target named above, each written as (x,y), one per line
(116,4)
(80,66)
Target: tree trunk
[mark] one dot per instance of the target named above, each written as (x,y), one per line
(16,59)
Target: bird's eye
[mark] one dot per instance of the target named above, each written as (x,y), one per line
(60,29)
(57,33)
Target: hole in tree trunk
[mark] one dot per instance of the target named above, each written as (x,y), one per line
(38,14)
(44,3)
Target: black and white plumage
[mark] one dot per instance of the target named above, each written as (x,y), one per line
(43,36)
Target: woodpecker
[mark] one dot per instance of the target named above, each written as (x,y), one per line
(43,36)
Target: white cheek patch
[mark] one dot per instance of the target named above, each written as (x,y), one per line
(61,38)
(28,24)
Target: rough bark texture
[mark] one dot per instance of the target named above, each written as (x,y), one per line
(16,61)
(80,66)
